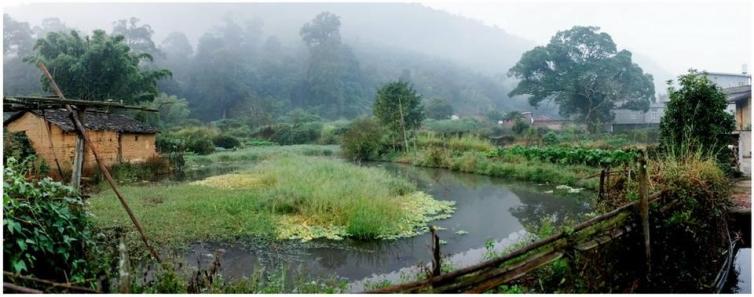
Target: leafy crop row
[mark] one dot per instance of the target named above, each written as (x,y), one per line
(569,155)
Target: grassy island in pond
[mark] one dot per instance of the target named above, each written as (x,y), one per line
(287,196)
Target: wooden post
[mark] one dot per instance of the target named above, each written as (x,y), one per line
(78,162)
(601,193)
(436,259)
(644,210)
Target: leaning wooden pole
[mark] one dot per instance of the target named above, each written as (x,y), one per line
(102,167)
(644,211)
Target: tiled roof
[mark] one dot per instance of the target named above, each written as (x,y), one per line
(95,121)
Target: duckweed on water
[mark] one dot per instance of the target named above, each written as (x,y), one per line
(230,181)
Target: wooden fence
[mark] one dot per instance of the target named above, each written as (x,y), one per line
(583,237)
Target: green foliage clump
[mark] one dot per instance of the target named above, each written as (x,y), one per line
(467,142)
(47,230)
(226,141)
(399,108)
(16,145)
(584,73)
(287,134)
(453,127)
(332,132)
(151,170)
(693,235)
(696,119)
(550,138)
(568,155)
(364,140)
(197,140)
(97,67)
(172,111)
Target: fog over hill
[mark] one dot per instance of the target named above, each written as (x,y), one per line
(451,57)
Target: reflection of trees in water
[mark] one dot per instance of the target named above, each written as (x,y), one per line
(425,176)
(536,207)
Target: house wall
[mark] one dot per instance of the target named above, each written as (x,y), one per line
(136,148)
(112,147)
(36,130)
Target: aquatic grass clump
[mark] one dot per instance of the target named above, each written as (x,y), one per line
(330,194)
(256,153)
(287,196)
(462,143)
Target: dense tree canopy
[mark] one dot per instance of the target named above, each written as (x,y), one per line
(583,72)
(333,85)
(695,117)
(399,107)
(96,67)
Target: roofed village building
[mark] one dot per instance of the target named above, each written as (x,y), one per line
(626,119)
(53,136)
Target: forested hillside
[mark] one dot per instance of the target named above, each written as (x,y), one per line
(258,61)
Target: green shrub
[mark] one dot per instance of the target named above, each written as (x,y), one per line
(226,141)
(287,134)
(151,170)
(17,145)
(198,140)
(696,118)
(364,140)
(453,127)
(169,143)
(550,138)
(47,230)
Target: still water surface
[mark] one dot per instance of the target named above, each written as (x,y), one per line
(488,208)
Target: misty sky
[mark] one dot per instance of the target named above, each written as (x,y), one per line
(713,36)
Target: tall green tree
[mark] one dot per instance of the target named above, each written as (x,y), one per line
(582,71)
(399,108)
(96,67)
(333,84)
(695,118)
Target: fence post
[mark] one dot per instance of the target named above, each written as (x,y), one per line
(601,194)
(644,210)
(436,260)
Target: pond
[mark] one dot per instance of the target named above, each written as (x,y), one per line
(488,210)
